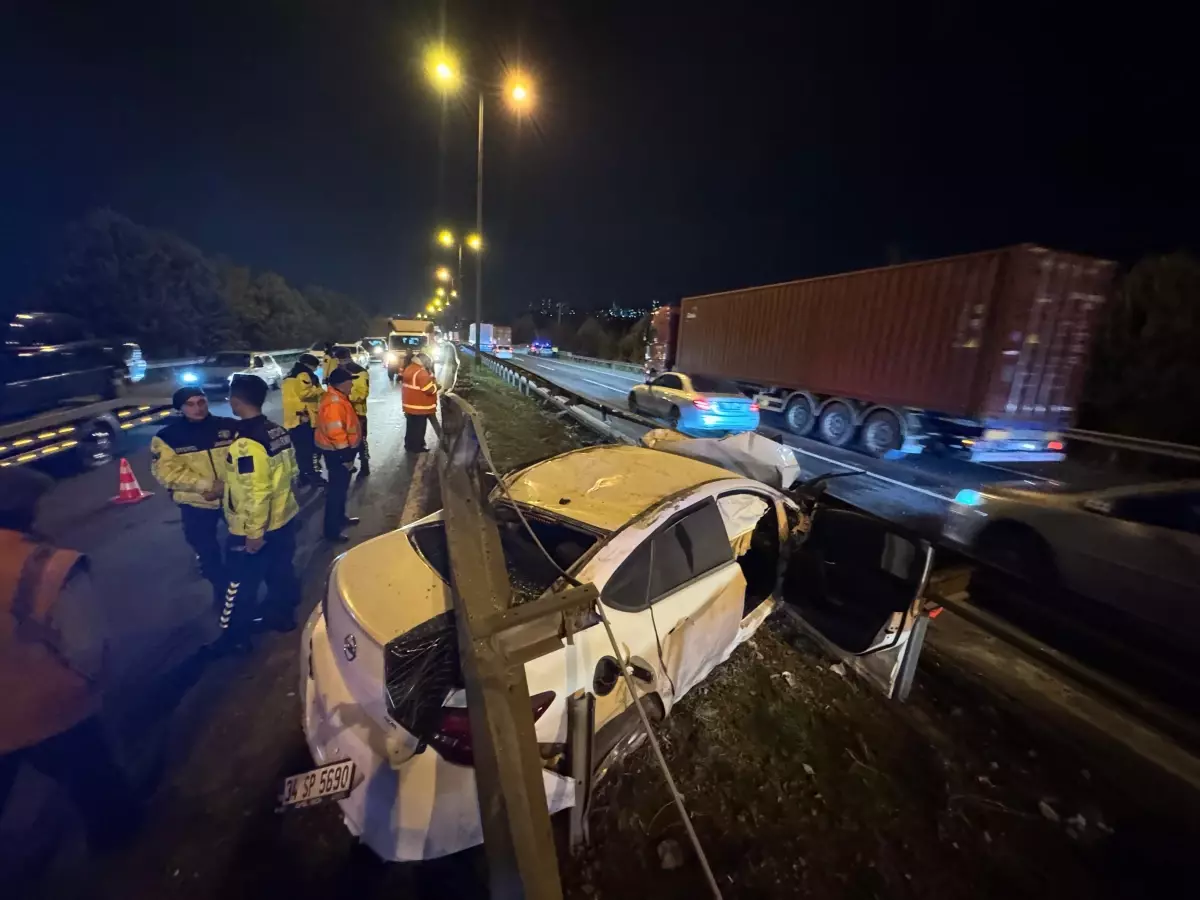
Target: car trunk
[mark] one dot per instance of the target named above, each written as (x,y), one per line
(389,591)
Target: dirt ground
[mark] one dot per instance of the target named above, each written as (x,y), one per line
(804,782)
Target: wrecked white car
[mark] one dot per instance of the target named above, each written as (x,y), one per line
(688,561)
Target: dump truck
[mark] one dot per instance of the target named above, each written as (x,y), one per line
(981,355)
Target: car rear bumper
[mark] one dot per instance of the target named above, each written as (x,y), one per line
(695,420)
(404,806)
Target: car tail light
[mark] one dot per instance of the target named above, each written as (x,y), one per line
(1054,445)
(702,403)
(452,737)
(753,406)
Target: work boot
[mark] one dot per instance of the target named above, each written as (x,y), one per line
(352,520)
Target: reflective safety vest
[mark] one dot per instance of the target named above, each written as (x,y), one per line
(360,388)
(40,694)
(301,394)
(419,391)
(188,458)
(258,479)
(337,422)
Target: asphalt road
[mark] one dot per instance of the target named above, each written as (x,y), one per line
(914,491)
(211,740)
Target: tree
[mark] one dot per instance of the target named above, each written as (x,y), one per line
(341,319)
(151,286)
(1144,365)
(593,340)
(632,346)
(523,330)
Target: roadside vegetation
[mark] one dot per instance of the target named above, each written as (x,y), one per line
(152,286)
(803,782)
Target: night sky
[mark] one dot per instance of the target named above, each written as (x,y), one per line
(676,148)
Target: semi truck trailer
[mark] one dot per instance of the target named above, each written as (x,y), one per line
(981,355)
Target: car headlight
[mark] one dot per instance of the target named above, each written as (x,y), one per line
(189,377)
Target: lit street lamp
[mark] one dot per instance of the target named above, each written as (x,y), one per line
(443,274)
(446,238)
(441,292)
(444,74)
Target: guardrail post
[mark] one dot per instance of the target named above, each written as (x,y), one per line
(512,801)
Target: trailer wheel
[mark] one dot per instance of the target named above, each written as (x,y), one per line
(96,445)
(836,425)
(882,432)
(798,416)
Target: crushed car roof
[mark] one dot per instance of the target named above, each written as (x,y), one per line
(605,487)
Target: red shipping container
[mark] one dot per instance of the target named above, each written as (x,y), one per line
(999,335)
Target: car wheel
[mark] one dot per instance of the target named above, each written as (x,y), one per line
(798,416)
(1020,551)
(882,432)
(673,418)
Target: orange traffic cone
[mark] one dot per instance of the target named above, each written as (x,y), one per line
(130,490)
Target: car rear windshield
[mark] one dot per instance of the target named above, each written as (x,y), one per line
(530,573)
(709,385)
(229,360)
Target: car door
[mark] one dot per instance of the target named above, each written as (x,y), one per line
(274,374)
(674,596)
(663,392)
(857,584)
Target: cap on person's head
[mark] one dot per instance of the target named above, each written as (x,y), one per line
(183,395)
(249,389)
(339,376)
(20,489)
(308,360)
(341,352)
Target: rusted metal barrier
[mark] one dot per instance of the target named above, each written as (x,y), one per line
(495,640)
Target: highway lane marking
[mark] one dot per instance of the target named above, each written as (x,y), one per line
(607,387)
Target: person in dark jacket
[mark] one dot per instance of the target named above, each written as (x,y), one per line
(188,459)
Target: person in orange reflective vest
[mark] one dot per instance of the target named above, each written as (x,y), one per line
(52,652)
(338,437)
(420,402)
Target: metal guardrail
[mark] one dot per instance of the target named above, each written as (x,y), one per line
(1134,444)
(495,640)
(569,401)
(605,363)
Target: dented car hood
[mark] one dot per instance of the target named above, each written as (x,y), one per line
(604,487)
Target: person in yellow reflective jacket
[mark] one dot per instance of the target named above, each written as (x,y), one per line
(360,392)
(188,459)
(301,395)
(260,510)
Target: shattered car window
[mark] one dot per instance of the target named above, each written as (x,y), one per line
(529,572)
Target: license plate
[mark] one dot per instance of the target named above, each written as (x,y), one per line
(324,785)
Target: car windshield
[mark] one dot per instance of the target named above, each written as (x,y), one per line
(373,342)
(529,572)
(709,385)
(229,360)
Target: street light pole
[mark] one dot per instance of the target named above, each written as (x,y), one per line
(479,231)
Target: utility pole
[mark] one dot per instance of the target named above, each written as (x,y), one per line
(479,231)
